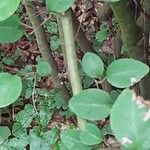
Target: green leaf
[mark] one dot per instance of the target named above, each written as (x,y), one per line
(54,42)
(43,68)
(51,136)
(18,143)
(87,81)
(59,6)
(52,27)
(18,131)
(92,65)
(38,143)
(25,116)
(102,35)
(91,135)
(4,134)
(125,72)
(7,8)
(10,26)
(130,121)
(44,116)
(28,93)
(107,130)
(10,88)
(91,104)
(8,61)
(70,138)
(62,147)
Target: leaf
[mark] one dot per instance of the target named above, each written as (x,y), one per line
(70,138)
(7,8)
(102,35)
(44,116)
(10,26)
(54,42)
(125,72)
(52,27)
(28,93)
(106,130)
(59,6)
(18,131)
(91,135)
(91,104)
(4,134)
(38,143)
(51,136)
(18,143)
(92,65)
(25,116)
(43,68)
(130,120)
(87,81)
(10,89)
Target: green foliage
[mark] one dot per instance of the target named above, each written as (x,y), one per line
(10,30)
(54,42)
(91,104)
(10,60)
(7,8)
(125,72)
(106,130)
(18,131)
(103,33)
(8,92)
(52,27)
(130,121)
(92,65)
(43,68)
(59,6)
(70,138)
(91,135)
(4,134)
(129,115)
(25,116)
(17,144)
(40,140)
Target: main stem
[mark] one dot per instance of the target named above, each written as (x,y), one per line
(68,45)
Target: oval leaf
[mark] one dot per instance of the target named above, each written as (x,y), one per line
(130,120)
(10,30)
(91,135)
(43,68)
(4,134)
(59,6)
(123,73)
(91,104)
(92,65)
(7,8)
(70,138)
(10,88)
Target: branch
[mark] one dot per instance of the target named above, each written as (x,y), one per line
(44,45)
(68,46)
